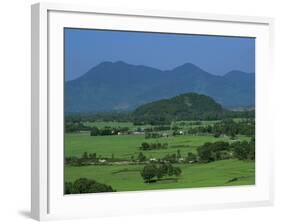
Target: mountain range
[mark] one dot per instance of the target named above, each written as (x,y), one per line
(118,86)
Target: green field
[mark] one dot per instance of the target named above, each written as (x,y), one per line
(127,177)
(124,146)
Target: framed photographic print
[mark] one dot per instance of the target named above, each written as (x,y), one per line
(137,111)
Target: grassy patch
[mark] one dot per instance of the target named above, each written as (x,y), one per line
(125,146)
(127,177)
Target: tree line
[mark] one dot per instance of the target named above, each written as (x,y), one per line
(227,127)
(77,126)
(107,131)
(89,158)
(93,117)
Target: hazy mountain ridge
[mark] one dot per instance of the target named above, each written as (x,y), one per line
(120,86)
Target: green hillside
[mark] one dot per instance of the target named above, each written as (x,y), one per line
(189,106)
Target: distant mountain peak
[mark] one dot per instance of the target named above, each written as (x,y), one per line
(188,67)
(120,63)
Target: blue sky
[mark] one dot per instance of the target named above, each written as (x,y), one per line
(85,48)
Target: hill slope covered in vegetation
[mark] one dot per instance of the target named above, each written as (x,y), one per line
(189,106)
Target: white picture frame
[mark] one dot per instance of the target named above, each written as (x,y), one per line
(48,201)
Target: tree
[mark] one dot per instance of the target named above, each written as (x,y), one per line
(170,170)
(217,134)
(161,171)
(172,158)
(251,155)
(68,188)
(178,154)
(212,151)
(145,146)
(205,153)
(191,157)
(94,131)
(93,156)
(175,127)
(149,171)
(85,156)
(244,150)
(141,157)
(177,171)
(232,135)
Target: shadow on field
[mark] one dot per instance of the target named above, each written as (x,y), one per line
(164,180)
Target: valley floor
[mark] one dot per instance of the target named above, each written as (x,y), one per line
(124,174)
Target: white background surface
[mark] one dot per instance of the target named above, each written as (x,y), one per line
(15,111)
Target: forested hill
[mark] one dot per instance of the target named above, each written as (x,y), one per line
(189,106)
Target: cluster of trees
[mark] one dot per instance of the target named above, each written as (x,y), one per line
(105,116)
(71,127)
(244,150)
(151,119)
(93,158)
(155,172)
(173,158)
(177,132)
(195,123)
(107,131)
(213,151)
(208,129)
(227,127)
(223,150)
(168,158)
(191,157)
(153,146)
(84,185)
(73,161)
(157,128)
(85,159)
(152,135)
(183,123)
(231,128)
(88,159)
